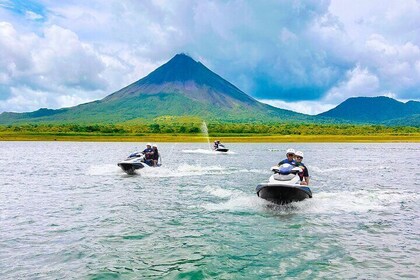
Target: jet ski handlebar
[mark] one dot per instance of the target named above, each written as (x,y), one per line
(286,170)
(275,168)
(138,154)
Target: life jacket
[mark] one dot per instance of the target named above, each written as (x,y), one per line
(300,164)
(148,153)
(292,162)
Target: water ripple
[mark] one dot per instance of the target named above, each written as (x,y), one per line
(198,217)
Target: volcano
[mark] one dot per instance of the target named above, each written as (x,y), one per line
(180,87)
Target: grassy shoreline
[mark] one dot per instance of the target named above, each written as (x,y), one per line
(238,138)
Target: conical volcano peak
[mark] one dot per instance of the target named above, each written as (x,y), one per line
(184,75)
(182,58)
(180,68)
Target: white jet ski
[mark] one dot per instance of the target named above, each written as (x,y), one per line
(284,186)
(135,162)
(221,148)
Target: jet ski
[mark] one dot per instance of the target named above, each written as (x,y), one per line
(283,186)
(134,162)
(221,148)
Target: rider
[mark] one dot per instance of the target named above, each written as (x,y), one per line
(305,173)
(155,155)
(148,153)
(216,144)
(290,153)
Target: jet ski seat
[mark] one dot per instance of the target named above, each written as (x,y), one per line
(283,177)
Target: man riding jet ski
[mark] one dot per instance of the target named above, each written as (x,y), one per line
(285,185)
(219,147)
(139,160)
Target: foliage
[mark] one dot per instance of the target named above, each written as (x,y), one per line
(184,126)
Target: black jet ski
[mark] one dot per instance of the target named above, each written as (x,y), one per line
(283,186)
(221,148)
(135,162)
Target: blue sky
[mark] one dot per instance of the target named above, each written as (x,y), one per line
(306,56)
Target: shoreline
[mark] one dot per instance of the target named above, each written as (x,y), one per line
(414,138)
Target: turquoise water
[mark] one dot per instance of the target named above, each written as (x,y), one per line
(67,211)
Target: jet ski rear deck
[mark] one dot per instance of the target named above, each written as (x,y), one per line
(283,193)
(284,186)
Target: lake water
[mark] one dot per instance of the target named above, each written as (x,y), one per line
(68,212)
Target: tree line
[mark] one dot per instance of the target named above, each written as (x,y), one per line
(213,129)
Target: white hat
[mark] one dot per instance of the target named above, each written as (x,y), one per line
(148,144)
(290,151)
(299,153)
(155,145)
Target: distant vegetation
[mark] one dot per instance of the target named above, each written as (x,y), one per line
(165,126)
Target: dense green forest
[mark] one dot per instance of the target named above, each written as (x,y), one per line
(214,129)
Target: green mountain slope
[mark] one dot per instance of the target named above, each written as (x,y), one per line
(375,110)
(412,120)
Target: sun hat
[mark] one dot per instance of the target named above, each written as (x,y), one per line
(290,151)
(299,154)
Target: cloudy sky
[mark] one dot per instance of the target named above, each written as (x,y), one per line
(307,56)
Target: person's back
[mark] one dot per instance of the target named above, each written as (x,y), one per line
(290,153)
(304,176)
(155,155)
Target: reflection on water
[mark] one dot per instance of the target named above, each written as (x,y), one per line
(68,211)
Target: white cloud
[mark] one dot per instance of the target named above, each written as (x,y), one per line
(325,50)
(286,35)
(394,64)
(417,67)
(70,100)
(33,16)
(305,107)
(24,99)
(54,66)
(358,82)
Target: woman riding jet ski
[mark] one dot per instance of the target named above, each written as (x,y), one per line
(139,160)
(284,186)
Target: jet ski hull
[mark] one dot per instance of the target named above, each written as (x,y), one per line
(130,167)
(223,150)
(283,193)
